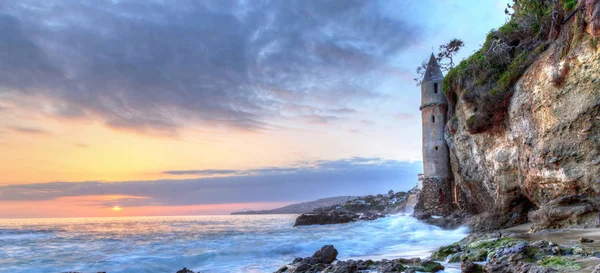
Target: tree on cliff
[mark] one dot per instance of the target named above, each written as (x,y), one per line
(444,58)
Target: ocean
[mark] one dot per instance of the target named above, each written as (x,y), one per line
(228,243)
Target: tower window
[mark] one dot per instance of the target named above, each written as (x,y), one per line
(435,88)
(436,148)
(433,119)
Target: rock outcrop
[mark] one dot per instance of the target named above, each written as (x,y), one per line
(326,218)
(185,270)
(538,157)
(368,207)
(304,207)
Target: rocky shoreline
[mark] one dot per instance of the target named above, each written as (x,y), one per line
(515,250)
(368,207)
(324,260)
(481,252)
(500,252)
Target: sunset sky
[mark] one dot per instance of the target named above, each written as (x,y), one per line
(207,107)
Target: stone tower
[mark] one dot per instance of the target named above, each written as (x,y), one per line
(436,194)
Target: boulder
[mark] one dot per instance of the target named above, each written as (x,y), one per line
(325,218)
(327,254)
(322,261)
(470,267)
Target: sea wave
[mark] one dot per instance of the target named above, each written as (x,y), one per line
(238,243)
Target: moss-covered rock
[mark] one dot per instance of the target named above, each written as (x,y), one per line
(559,263)
(427,266)
(443,252)
(477,251)
(509,254)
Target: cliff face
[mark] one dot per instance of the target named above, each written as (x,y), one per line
(541,162)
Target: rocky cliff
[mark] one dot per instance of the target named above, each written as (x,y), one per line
(524,132)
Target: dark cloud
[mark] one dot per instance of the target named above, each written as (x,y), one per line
(319,119)
(152,66)
(356,176)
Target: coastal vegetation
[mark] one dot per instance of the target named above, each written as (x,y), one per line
(487,77)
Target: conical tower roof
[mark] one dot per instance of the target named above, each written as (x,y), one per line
(433,72)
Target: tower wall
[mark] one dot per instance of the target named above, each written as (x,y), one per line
(428,94)
(436,160)
(435,149)
(437,195)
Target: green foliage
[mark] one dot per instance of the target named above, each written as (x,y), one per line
(512,74)
(536,8)
(454,75)
(569,4)
(559,263)
(509,28)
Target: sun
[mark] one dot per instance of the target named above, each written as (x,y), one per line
(116,208)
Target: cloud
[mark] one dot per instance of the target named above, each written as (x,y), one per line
(29,130)
(202,172)
(81,145)
(343,111)
(310,180)
(403,116)
(153,66)
(320,120)
(366,122)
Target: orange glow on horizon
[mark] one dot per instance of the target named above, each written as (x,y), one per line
(116,208)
